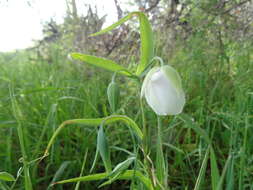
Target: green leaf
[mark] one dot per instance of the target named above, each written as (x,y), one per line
(191,124)
(5,176)
(146,34)
(59,172)
(147,43)
(202,171)
(102,63)
(119,169)
(113,26)
(224,171)
(214,169)
(95,123)
(113,95)
(230,181)
(127,175)
(94,161)
(103,149)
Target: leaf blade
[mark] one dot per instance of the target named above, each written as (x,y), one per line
(102,63)
(103,149)
(95,122)
(202,170)
(147,43)
(5,176)
(113,26)
(214,169)
(127,175)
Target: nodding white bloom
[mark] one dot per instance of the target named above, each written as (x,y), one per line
(163,91)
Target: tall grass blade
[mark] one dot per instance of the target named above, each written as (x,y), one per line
(59,173)
(202,171)
(119,169)
(127,175)
(214,169)
(191,124)
(230,175)
(243,156)
(18,116)
(82,169)
(224,171)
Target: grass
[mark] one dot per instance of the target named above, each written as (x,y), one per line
(206,147)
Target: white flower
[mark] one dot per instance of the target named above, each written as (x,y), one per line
(163,91)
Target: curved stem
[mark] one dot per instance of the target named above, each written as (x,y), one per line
(159,59)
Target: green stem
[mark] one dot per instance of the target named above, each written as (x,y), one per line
(160,164)
(147,161)
(144,127)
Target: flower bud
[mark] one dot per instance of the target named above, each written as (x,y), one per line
(113,95)
(163,91)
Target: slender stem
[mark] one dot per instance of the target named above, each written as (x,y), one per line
(147,161)
(144,127)
(82,169)
(160,164)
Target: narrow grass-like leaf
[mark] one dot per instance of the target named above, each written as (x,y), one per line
(123,150)
(103,149)
(127,175)
(41,89)
(94,161)
(3,186)
(113,26)
(119,169)
(102,63)
(243,155)
(82,169)
(214,169)
(19,117)
(49,121)
(202,171)
(5,176)
(230,175)
(195,127)
(59,172)
(96,122)
(224,171)
(174,148)
(70,98)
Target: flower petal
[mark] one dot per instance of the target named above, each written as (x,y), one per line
(163,91)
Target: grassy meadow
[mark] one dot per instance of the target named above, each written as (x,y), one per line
(36,96)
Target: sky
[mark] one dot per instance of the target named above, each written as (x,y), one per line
(21,20)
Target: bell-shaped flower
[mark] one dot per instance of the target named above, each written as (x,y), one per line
(163,91)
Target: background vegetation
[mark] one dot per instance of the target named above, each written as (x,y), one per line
(208,42)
